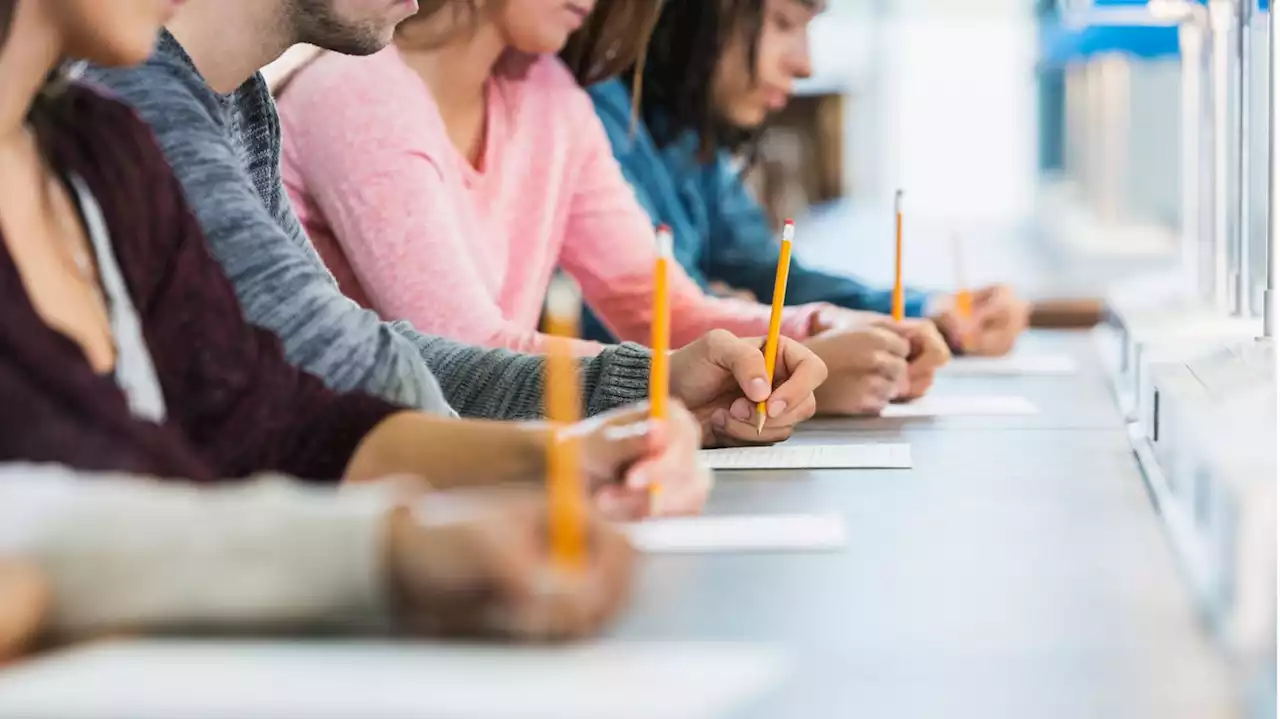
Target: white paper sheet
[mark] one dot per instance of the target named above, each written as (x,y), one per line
(383,680)
(789,455)
(1015,365)
(739,534)
(962,405)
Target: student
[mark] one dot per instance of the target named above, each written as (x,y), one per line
(713,74)
(86,554)
(446,177)
(215,120)
(122,347)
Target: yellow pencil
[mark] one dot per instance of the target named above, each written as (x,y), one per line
(899,296)
(964,296)
(565,494)
(775,319)
(660,341)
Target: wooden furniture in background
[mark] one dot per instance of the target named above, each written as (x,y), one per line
(801,161)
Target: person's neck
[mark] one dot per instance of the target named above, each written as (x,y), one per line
(31,51)
(458,71)
(230,40)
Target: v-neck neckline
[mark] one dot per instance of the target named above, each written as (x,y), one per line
(492,137)
(27,302)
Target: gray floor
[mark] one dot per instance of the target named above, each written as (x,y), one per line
(1018,570)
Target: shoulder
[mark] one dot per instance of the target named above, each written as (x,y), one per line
(548,88)
(612,101)
(335,80)
(99,120)
(167,81)
(376,98)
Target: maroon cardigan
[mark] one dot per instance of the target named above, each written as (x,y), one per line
(235,406)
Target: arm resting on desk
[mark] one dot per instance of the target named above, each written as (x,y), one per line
(123,552)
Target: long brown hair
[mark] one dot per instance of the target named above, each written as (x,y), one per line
(614,36)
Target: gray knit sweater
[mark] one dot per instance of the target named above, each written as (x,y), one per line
(226,152)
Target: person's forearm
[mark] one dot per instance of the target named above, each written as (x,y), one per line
(501,384)
(449,452)
(130,552)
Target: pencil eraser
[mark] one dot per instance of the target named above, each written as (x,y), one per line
(789,223)
(665,242)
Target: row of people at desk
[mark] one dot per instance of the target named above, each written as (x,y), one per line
(167,323)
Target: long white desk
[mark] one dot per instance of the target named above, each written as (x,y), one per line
(1019,570)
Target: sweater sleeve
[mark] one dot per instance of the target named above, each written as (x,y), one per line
(232,392)
(610,250)
(126,552)
(280,281)
(509,384)
(379,181)
(743,253)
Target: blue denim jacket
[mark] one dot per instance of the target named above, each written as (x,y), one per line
(720,231)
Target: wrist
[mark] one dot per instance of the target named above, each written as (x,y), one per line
(936,304)
(529,452)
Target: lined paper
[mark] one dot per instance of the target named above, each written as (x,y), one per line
(962,405)
(1016,365)
(790,455)
(738,534)
(157,679)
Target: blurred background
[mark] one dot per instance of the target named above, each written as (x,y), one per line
(1117,149)
(1056,121)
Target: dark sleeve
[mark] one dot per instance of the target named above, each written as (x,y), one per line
(744,254)
(227,383)
(51,414)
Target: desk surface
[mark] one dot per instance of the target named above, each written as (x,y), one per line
(1019,570)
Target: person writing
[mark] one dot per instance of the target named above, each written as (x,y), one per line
(714,75)
(445,178)
(123,348)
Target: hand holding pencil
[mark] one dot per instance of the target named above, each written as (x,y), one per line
(618,458)
(721,378)
(775,317)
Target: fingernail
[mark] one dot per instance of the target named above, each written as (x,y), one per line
(741,410)
(719,419)
(759,388)
(777,407)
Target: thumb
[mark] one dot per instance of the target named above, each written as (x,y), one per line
(620,446)
(745,362)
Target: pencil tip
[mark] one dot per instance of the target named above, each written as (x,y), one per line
(760,420)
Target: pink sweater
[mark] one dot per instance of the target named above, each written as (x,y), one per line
(411,229)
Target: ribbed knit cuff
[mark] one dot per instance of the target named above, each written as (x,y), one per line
(617,376)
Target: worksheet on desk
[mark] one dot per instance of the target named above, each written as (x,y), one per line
(331,679)
(738,534)
(1015,365)
(962,405)
(792,455)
